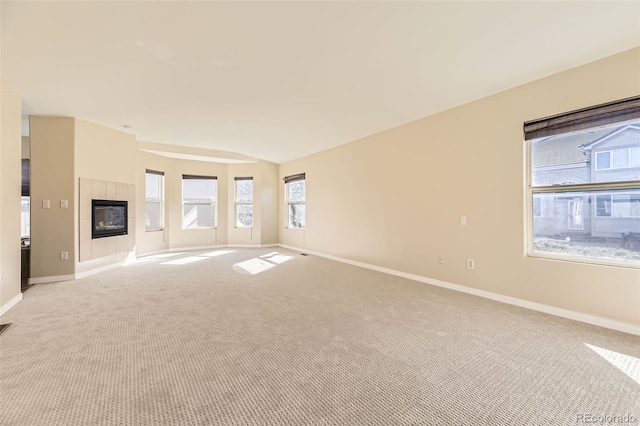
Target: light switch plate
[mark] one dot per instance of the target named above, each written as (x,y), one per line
(46,204)
(64,204)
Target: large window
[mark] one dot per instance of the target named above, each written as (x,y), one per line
(295,194)
(244,202)
(199,201)
(584,184)
(154,200)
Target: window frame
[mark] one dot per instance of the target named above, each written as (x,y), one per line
(159,201)
(237,203)
(591,117)
(200,202)
(300,177)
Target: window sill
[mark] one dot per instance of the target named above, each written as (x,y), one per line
(583,260)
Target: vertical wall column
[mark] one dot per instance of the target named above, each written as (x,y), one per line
(10,153)
(52,181)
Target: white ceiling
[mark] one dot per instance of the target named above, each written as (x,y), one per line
(281,80)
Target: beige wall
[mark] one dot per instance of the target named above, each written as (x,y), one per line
(106,157)
(26,149)
(52,178)
(154,241)
(10,175)
(268,200)
(173,237)
(244,236)
(394,199)
(104,153)
(185,238)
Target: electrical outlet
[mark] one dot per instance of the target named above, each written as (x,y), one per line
(64,255)
(463,220)
(471,264)
(441,260)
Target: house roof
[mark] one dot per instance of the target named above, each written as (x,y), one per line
(568,148)
(564,148)
(610,133)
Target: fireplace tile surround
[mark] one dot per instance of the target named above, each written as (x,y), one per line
(101,190)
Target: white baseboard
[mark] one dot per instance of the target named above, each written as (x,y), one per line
(251,245)
(53,279)
(10,304)
(151,253)
(98,270)
(217,246)
(552,310)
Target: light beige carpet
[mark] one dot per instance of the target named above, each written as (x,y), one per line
(196,339)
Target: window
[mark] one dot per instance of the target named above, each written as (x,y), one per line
(593,214)
(603,205)
(575,215)
(25,217)
(199,201)
(618,159)
(295,194)
(154,200)
(244,202)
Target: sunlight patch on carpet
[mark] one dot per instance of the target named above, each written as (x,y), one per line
(260,264)
(184,260)
(629,365)
(253,266)
(216,253)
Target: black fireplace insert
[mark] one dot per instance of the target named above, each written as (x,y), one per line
(108,218)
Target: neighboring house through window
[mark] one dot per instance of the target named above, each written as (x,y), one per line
(199,201)
(244,202)
(584,183)
(295,195)
(154,200)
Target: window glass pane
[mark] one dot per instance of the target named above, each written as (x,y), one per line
(603,205)
(25,217)
(537,206)
(624,204)
(603,160)
(244,191)
(620,158)
(244,215)
(153,216)
(198,216)
(576,215)
(634,200)
(296,191)
(569,158)
(635,157)
(297,216)
(153,188)
(199,189)
(595,224)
